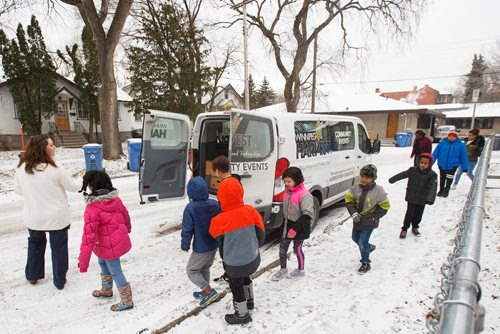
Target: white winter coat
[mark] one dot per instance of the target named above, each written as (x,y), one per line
(46,206)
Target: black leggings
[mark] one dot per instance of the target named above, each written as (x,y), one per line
(297,249)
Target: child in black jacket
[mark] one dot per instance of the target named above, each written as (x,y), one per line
(421,190)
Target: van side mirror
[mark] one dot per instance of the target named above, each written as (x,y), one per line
(375,149)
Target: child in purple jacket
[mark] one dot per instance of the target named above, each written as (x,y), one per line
(106,233)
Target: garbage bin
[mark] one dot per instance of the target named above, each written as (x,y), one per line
(401,139)
(409,138)
(134,154)
(93,156)
(496,143)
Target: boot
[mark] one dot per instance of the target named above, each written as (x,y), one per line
(248,290)
(106,289)
(240,315)
(126,296)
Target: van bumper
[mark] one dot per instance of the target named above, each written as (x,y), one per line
(272,215)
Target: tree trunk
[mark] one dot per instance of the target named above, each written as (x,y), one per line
(108,108)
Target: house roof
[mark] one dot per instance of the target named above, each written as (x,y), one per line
(351,103)
(483,110)
(122,96)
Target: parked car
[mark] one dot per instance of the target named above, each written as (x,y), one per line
(442,132)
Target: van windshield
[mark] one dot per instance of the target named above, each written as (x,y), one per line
(251,138)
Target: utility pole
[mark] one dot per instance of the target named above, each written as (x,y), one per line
(245,55)
(313,95)
(475,98)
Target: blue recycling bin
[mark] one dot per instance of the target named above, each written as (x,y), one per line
(93,156)
(401,139)
(409,138)
(134,146)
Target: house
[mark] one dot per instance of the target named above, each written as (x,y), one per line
(383,117)
(225,99)
(486,117)
(426,96)
(69,125)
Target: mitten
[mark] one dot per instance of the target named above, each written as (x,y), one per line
(291,233)
(356,217)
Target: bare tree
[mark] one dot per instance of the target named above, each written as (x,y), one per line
(310,17)
(106,41)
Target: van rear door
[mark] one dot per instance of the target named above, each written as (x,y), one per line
(253,154)
(164,156)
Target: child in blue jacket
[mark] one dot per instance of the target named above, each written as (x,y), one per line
(196,222)
(449,154)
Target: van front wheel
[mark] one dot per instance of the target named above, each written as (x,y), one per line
(315,218)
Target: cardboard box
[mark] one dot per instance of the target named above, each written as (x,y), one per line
(214,182)
(208,168)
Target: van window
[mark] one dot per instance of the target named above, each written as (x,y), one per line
(252,138)
(321,137)
(166,132)
(364,141)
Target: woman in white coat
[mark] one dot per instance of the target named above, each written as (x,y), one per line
(43,185)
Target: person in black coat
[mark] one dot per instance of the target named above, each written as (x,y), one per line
(421,190)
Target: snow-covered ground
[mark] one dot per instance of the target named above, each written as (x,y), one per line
(392,298)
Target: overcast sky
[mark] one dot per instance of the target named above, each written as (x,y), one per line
(441,49)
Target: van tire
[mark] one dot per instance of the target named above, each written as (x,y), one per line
(315,218)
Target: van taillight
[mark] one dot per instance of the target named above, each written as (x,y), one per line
(279,186)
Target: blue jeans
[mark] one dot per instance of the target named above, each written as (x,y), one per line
(361,238)
(113,268)
(458,175)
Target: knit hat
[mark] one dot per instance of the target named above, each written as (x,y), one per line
(453,134)
(369,171)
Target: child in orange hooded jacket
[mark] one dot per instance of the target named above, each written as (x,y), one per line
(243,231)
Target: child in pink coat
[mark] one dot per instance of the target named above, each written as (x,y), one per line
(106,229)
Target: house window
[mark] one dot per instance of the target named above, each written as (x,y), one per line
(226,95)
(80,111)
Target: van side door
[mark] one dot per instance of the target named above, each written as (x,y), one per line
(164,156)
(253,154)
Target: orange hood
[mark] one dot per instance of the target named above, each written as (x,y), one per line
(230,194)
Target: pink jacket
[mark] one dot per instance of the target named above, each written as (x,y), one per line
(106,229)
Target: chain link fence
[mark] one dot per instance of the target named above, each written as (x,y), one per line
(456,306)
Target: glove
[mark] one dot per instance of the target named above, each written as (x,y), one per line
(464,171)
(291,233)
(356,217)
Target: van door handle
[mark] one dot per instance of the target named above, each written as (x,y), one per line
(359,156)
(348,157)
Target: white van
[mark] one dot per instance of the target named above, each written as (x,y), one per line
(329,150)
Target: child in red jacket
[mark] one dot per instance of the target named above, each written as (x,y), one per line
(106,229)
(243,231)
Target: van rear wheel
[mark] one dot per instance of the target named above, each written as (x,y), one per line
(315,218)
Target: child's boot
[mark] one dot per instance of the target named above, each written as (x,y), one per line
(248,290)
(106,289)
(126,299)
(240,315)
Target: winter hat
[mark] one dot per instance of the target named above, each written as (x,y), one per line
(369,171)
(453,134)
(428,156)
